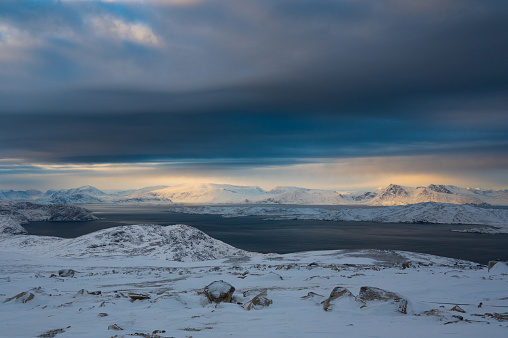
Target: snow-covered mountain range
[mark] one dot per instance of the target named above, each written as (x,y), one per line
(210,193)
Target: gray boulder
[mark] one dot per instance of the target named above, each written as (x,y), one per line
(369,294)
(219,291)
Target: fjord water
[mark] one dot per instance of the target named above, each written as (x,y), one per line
(255,234)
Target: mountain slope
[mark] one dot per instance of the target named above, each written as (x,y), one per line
(294,195)
(401,195)
(209,193)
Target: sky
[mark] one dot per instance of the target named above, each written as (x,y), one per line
(337,94)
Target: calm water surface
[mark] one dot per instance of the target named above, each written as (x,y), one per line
(254,234)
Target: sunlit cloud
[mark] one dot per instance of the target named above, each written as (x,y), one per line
(14,43)
(117,29)
(340,174)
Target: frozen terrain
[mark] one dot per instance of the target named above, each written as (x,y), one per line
(436,213)
(209,193)
(128,292)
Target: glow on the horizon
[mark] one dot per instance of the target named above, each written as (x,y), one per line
(343,175)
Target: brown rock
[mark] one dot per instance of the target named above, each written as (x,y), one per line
(259,301)
(115,327)
(458,309)
(24,297)
(337,292)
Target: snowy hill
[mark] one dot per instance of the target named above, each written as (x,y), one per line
(13,214)
(209,193)
(180,243)
(294,195)
(429,212)
(10,226)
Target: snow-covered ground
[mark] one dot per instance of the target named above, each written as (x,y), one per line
(436,213)
(424,296)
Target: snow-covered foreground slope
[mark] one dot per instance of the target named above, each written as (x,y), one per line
(437,213)
(441,297)
(175,243)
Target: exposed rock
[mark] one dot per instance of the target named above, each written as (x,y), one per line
(115,327)
(219,291)
(311,295)
(337,292)
(502,317)
(138,296)
(84,292)
(23,297)
(51,333)
(458,309)
(259,301)
(409,264)
(369,293)
(66,273)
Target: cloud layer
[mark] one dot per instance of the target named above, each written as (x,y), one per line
(247,85)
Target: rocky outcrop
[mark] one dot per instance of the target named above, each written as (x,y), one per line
(138,296)
(22,297)
(259,301)
(66,273)
(370,294)
(219,292)
(115,327)
(336,293)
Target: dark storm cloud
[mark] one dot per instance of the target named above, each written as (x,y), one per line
(253,82)
(145,137)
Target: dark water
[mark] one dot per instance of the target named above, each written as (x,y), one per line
(255,234)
